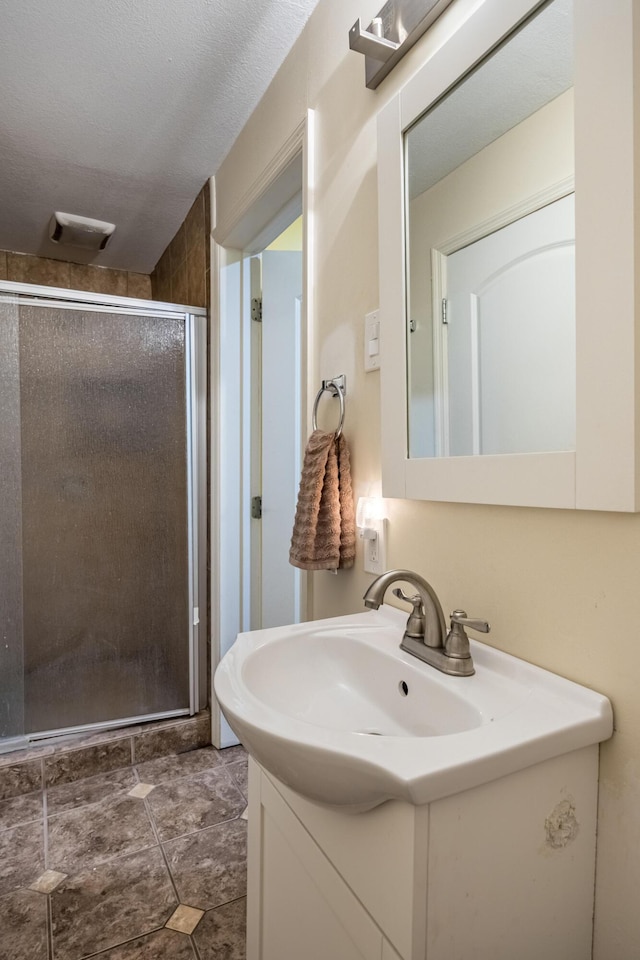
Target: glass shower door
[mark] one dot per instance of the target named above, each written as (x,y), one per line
(11,634)
(101,571)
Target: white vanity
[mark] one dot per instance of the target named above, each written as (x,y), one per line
(501,871)
(397,812)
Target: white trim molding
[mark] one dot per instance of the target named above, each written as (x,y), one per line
(261,202)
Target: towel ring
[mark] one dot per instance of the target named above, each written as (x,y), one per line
(336,388)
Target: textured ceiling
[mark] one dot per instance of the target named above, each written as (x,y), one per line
(120,110)
(533,67)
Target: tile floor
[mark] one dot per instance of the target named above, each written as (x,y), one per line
(144,863)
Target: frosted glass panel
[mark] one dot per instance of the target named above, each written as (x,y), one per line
(11,653)
(104,516)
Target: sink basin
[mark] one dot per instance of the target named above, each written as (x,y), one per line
(339,680)
(336,711)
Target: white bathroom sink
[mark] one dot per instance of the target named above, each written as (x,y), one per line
(336,711)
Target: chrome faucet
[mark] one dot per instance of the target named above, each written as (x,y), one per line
(426,635)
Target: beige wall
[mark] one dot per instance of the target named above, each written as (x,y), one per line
(554,584)
(181,275)
(23,268)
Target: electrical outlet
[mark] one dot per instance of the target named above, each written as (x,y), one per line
(375,547)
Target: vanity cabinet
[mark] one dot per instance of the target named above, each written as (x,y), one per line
(500,871)
(299,905)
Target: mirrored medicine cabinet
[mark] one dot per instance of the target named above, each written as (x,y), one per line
(508,240)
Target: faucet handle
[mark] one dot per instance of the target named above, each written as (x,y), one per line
(457,643)
(416,622)
(460,617)
(416,600)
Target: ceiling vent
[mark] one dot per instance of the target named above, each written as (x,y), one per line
(80,231)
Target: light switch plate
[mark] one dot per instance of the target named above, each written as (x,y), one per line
(372,341)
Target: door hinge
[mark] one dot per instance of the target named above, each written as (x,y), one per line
(256,309)
(445,312)
(256,508)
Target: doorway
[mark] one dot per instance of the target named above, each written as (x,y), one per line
(274,280)
(260,403)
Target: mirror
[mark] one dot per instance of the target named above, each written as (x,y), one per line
(490,250)
(502,432)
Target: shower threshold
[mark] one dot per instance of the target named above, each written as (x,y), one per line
(77,755)
(105,725)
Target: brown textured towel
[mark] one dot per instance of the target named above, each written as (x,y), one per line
(324,532)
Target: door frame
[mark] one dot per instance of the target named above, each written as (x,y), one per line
(268,196)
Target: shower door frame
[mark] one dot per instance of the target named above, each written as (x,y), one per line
(195,320)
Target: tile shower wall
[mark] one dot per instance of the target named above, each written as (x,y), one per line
(181,275)
(23,268)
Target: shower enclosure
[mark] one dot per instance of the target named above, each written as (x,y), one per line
(102,482)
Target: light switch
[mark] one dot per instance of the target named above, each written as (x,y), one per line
(372,341)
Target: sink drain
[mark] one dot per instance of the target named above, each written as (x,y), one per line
(403,688)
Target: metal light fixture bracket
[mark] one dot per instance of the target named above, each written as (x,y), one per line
(395,29)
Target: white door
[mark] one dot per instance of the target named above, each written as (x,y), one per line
(510,389)
(281,433)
